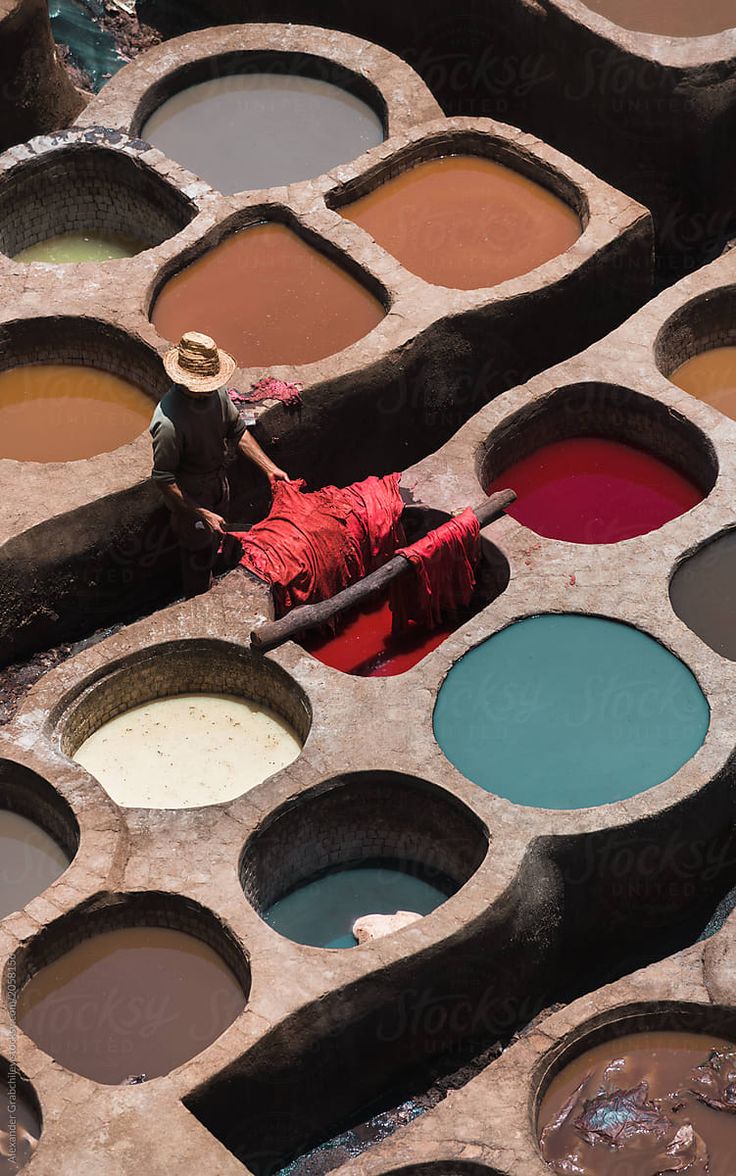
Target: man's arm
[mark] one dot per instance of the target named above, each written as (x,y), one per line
(252,450)
(177,500)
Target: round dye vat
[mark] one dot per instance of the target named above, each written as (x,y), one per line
(30,861)
(188,750)
(670,18)
(26,1126)
(591,490)
(65,412)
(567,712)
(251,131)
(466,222)
(365,646)
(130,1002)
(72,248)
(702,594)
(321,911)
(672,1066)
(268,298)
(711,376)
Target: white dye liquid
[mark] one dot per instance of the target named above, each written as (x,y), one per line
(188,751)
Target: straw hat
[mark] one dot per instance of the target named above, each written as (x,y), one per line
(198,363)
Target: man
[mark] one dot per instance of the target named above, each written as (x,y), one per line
(192,430)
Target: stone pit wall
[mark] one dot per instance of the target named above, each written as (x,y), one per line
(325,1035)
(436,357)
(652,115)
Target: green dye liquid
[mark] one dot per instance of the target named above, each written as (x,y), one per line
(322,911)
(71,248)
(568,712)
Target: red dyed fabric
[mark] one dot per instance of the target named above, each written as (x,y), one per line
(442,579)
(312,545)
(269,388)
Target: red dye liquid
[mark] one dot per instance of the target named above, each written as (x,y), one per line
(364,646)
(590,490)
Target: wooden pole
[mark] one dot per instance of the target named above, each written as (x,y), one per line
(310,616)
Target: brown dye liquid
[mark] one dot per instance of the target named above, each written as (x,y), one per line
(711,376)
(268,298)
(466,222)
(665,1061)
(140,1000)
(26,1127)
(702,593)
(670,18)
(64,412)
(30,861)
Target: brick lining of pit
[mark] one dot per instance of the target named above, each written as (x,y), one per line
(86,341)
(359,817)
(87,187)
(111,912)
(25,792)
(181,667)
(601,410)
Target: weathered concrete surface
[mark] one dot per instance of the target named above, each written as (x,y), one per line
(652,115)
(403,390)
(36,95)
(549,889)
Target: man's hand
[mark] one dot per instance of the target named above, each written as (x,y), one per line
(214,522)
(277,475)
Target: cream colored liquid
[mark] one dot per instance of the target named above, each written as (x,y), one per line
(187,751)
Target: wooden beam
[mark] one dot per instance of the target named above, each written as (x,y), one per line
(311,616)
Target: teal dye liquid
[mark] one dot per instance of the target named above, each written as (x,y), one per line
(568,712)
(321,911)
(76,24)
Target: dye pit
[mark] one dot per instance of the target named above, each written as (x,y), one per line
(644,503)
(668,18)
(711,377)
(644,1102)
(466,222)
(261,130)
(30,860)
(565,712)
(366,645)
(77,248)
(65,412)
(593,490)
(268,297)
(130,1004)
(321,911)
(702,592)
(188,751)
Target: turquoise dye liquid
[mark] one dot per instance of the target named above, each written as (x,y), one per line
(321,912)
(568,712)
(76,24)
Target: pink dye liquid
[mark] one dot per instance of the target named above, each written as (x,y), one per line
(590,490)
